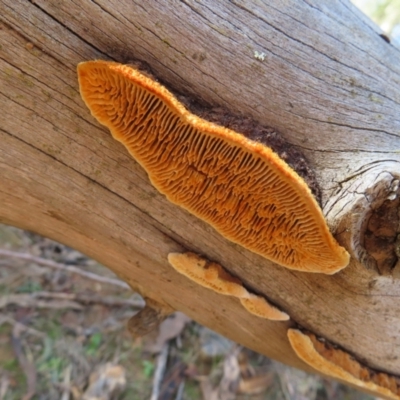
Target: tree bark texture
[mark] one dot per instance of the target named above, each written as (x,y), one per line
(317,72)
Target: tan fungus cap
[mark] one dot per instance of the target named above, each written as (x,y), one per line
(339,364)
(212,276)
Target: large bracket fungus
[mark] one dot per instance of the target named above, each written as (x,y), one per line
(338,364)
(237,185)
(212,276)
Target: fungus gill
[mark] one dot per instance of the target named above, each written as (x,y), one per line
(338,364)
(239,186)
(212,276)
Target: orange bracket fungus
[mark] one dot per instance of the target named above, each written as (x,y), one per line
(212,276)
(338,364)
(237,185)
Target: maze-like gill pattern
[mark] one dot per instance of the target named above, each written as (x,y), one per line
(240,187)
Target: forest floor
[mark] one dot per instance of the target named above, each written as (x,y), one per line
(63,336)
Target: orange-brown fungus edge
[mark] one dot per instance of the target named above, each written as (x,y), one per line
(260,307)
(239,186)
(338,364)
(212,276)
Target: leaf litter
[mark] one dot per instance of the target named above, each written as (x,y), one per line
(63,336)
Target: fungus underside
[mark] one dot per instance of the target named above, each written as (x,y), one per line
(338,364)
(212,276)
(239,186)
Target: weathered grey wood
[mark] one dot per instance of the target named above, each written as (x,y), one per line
(329,83)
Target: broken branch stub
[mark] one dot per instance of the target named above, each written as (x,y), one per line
(366,212)
(237,185)
(149,318)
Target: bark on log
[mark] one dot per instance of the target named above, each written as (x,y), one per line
(318,72)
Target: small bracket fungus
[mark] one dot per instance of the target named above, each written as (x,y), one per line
(212,276)
(338,364)
(237,185)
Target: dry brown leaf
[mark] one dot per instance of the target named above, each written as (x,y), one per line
(26,366)
(256,384)
(106,382)
(207,390)
(227,388)
(229,383)
(168,329)
(253,381)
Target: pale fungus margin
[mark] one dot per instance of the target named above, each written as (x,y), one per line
(338,364)
(213,276)
(239,186)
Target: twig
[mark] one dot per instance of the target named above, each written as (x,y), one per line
(284,386)
(173,379)
(21,327)
(159,372)
(30,301)
(65,300)
(87,299)
(66,383)
(27,366)
(179,395)
(63,267)
(4,384)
